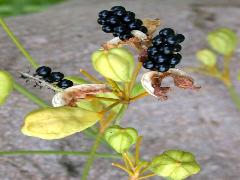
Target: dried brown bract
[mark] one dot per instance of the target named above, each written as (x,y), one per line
(70,96)
(152,82)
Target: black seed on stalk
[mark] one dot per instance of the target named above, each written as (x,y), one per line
(43,71)
(65,84)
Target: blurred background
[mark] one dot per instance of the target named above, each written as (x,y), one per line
(63,34)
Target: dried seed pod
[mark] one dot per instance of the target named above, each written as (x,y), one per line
(74,94)
(152,82)
(121,139)
(56,123)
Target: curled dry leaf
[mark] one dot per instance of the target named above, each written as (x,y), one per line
(71,95)
(152,82)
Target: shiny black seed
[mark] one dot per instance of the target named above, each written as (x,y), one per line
(175,59)
(107,29)
(57,76)
(161,59)
(43,71)
(113,20)
(172,40)
(163,68)
(115,8)
(158,40)
(167,49)
(130,13)
(148,65)
(120,13)
(153,50)
(177,48)
(116,34)
(120,29)
(101,21)
(180,38)
(167,32)
(143,29)
(124,37)
(65,84)
(104,14)
(48,79)
(128,18)
(134,25)
(139,22)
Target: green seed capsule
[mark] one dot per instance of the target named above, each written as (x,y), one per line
(57,123)
(121,139)
(116,64)
(207,57)
(6,86)
(175,165)
(223,40)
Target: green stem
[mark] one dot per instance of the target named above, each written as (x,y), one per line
(29,95)
(91,157)
(18,44)
(45,152)
(235,96)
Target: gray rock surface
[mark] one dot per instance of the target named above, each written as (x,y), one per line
(63,37)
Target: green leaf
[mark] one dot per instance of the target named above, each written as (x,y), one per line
(57,123)
(137,89)
(175,164)
(76,80)
(6,86)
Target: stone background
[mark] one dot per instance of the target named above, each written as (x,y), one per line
(63,37)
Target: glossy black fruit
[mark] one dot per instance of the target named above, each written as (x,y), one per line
(57,76)
(167,32)
(65,84)
(104,14)
(125,36)
(115,8)
(143,29)
(148,65)
(107,29)
(120,29)
(43,71)
(180,38)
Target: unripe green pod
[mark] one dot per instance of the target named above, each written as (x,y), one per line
(58,122)
(121,139)
(223,40)
(6,86)
(175,164)
(116,64)
(207,57)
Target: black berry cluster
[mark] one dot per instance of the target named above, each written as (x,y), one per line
(53,77)
(163,54)
(120,22)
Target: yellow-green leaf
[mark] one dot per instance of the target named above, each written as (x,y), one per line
(207,57)
(57,123)
(6,86)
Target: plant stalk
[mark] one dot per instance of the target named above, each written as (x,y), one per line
(48,152)
(18,44)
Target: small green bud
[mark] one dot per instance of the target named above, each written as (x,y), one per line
(116,64)
(223,40)
(121,139)
(207,57)
(175,164)
(6,86)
